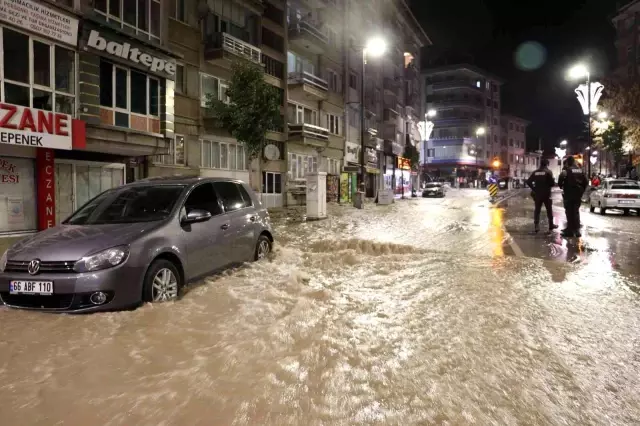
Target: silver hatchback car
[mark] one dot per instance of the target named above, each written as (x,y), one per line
(140,242)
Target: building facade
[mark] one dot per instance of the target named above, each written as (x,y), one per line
(627,41)
(513,143)
(467,133)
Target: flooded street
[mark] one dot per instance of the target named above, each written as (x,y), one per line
(428,311)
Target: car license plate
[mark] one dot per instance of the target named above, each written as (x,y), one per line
(43,288)
(626,201)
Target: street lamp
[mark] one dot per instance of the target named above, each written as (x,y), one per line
(431,113)
(564,143)
(374,47)
(588,96)
(480,131)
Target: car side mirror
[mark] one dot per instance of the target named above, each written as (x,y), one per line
(195,216)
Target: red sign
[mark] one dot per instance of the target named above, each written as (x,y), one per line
(8,172)
(38,128)
(404,163)
(46,194)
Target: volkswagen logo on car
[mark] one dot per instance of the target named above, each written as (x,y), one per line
(34,267)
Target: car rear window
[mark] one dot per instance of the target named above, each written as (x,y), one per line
(625,186)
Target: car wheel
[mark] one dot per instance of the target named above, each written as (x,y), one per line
(163,282)
(263,247)
(625,212)
(602,209)
(592,208)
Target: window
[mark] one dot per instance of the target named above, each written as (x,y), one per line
(488,102)
(127,91)
(334,81)
(178,10)
(203,197)
(510,142)
(353,80)
(273,13)
(139,16)
(272,66)
(231,196)
(495,104)
(176,155)
(44,79)
(271,183)
(212,87)
(180,79)
(495,121)
(222,155)
(298,114)
(273,40)
(333,124)
(333,166)
(300,165)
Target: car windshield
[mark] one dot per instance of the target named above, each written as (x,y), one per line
(625,185)
(128,205)
(432,185)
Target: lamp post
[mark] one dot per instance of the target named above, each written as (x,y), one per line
(480,131)
(588,96)
(374,47)
(426,128)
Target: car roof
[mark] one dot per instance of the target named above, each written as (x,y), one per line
(181,180)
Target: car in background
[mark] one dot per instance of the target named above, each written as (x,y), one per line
(433,189)
(621,194)
(141,242)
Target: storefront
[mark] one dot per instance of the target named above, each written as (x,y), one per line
(350,172)
(373,171)
(403,177)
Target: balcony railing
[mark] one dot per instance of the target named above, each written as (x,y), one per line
(308,78)
(298,27)
(308,130)
(233,45)
(456,84)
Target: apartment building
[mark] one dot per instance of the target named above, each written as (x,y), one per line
(627,41)
(513,143)
(467,134)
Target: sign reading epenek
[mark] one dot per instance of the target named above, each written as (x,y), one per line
(34,127)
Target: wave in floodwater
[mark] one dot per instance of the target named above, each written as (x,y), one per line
(337,329)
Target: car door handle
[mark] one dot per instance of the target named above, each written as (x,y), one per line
(225,226)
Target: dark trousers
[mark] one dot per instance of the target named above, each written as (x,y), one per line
(572,210)
(539,202)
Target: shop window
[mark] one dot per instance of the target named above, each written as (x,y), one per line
(142,17)
(176,155)
(17,203)
(222,155)
(129,98)
(44,80)
(271,183)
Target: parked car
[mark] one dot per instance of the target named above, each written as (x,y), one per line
(433,189)
(622,194)
(140,242)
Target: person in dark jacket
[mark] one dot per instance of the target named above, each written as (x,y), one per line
(541,181)
(573,183)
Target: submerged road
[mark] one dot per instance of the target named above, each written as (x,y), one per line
(427,311)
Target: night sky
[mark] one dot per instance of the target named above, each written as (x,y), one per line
(492,31)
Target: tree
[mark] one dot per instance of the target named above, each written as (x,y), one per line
(623,102)
(253,108)
(613,141)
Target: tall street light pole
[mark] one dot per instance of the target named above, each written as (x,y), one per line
(479,132)
(374,47)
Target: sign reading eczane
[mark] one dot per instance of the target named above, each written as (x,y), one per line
(34,127)
(129,53)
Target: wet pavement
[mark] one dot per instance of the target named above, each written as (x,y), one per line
(427,311)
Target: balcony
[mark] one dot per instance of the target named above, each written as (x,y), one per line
(390,116)
(304,85)
(391,86)
(308,134)
(222,48)
(456,84)
(305,35)
(392,147)
(452,103)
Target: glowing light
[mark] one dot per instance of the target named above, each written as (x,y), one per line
(564,143)
(376,46)
(583,96)
(594,153)
(560,152)
(496,163)
(578,71)
(602,115)
(425,128)
(431,113)
(480,131)
(593,160)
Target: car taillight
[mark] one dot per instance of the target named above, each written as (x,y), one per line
(608,196)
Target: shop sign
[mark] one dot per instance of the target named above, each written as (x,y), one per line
(372,157)
(404,163)
(8,172)
(103,43)
(352,152)
(46,189)
(40,19)
(37,128)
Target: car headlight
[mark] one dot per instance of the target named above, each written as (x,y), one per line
(3,261)
(102,260)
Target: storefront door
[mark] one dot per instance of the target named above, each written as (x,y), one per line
(78,182)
